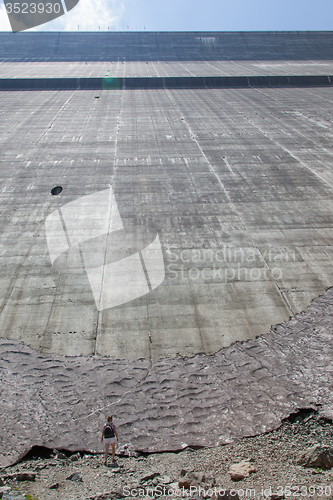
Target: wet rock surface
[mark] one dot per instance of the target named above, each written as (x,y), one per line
(243,390)
(273,455)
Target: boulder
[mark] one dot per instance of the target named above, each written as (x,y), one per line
(187,480)
(106,496)
(13,495)
(241,470)
(184,483)
(26,476)
(195,479)
(316,456)
(127,450)
(227,495)
(116,470)
(3,490)
(237,476)
(173,486)
(165,480)
(75,477)
(40,466)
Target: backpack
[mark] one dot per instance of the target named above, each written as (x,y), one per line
(108,430)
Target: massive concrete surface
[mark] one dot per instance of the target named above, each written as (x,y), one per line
(166,46)
(188,220)
(245,389)
(137,69)
(236,183)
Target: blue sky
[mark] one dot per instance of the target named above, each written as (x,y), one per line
(192,15)
(232,15)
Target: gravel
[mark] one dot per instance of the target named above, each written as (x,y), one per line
(273,455)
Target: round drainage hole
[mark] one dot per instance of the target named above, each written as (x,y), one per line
(56,190)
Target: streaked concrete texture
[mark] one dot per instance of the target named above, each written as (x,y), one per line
(123,69)
(236,183)
(226,191)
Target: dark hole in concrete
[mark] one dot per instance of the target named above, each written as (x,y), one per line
(56,190)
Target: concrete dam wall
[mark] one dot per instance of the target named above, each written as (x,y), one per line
(146,226)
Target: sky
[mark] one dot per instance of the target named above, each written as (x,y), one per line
(190,15)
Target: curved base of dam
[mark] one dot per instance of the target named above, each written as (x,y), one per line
(243,390)
(165,199)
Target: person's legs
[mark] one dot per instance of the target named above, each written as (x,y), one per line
(113,450)
(107,446)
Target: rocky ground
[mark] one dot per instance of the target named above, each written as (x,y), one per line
(272,455)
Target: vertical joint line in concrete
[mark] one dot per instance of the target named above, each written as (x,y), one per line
(54,119)
(280,291)
(81,256)
(64,227)
(145,271)
(149,335)
(103,272)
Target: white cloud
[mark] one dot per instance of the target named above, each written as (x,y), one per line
(89,15)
